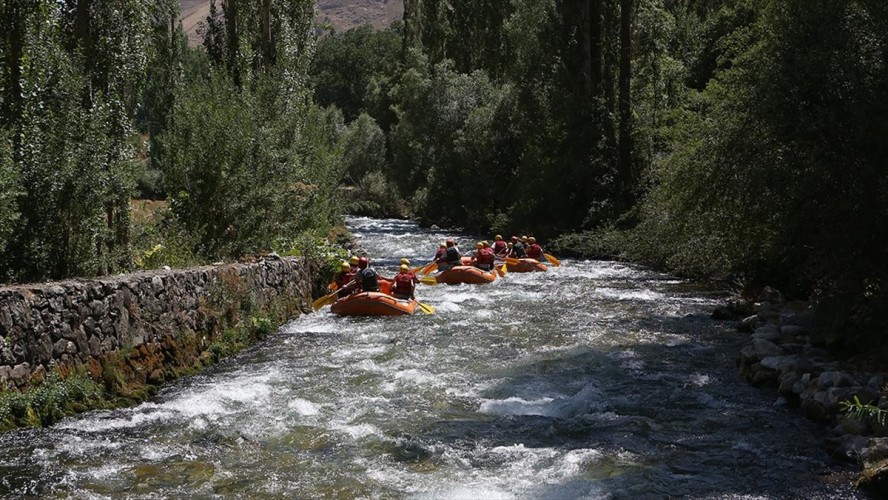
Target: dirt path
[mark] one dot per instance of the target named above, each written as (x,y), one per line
(342,14)
(193,13)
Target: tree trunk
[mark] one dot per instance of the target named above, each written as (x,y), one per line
(229,8)
(83,37)
(609,65)
(267,40)
(594,30)
(625,146)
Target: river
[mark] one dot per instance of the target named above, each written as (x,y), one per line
(594,380)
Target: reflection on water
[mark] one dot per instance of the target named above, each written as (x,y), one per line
(597,380)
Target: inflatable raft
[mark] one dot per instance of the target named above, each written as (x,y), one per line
(527,266)
(466,274)
(373,304)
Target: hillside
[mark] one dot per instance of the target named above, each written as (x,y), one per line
(341,14)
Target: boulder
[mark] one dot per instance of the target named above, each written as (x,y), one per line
(876,449)
(764,348)
(851,425)
(849,447)
(787,383)
(803,320)
(770,294)
(834,379)
(762,375)
(723,313)
(791,330)
(767,332)
(20,374)
(874,479)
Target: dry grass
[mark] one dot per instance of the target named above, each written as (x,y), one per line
(342,14)
(147,210)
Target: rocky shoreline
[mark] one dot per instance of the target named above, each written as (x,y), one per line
(781,354)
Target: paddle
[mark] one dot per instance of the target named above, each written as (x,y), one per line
(428,268)
(426,309)
(512,261)
(502,271)
(552,260)
(325,300)
(431,280)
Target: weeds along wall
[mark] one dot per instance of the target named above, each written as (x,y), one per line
(138,330)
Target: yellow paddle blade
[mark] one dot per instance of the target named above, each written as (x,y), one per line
(426,309)
(323,301)
(431,280)
(552,260)
(502,271)
(512,261)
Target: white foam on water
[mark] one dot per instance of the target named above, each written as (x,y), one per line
(699,379)
(517,406)
(100,424)
(637,295)
(304,407)
(361,352)
(198,424)
(209,401)
(368,365)
(418,377)
(358,431)
(154,453)
(456,492)
(448,306)
(484,313)
(632,364)
(467,296)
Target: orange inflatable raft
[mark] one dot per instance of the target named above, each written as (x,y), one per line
(526,266)
(466,274)
(373,304)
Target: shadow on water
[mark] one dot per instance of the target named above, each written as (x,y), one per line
(659,418)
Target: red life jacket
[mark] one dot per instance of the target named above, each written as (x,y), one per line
(535,252)
(404,284)
(500,247)
(343,279)
(486,256)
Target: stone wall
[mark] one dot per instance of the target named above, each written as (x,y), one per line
(147,325)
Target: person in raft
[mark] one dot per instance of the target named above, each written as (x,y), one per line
(439,256)
(518,249)
(353,262)
(451,258)
(500,248)
(483,257)
(367,280)
(343,278)
(534,251)
(404,284)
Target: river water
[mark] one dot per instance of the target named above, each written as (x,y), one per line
(594,380)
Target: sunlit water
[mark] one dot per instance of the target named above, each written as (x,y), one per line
(595,380)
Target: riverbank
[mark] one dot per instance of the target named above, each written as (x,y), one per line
(782,353)
(82,344)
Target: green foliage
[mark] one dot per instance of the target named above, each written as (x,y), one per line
(777,172)
(71,78)
(444,143)
(162,241)
(10,190)
(864,412)
(49,402)
(345,65)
